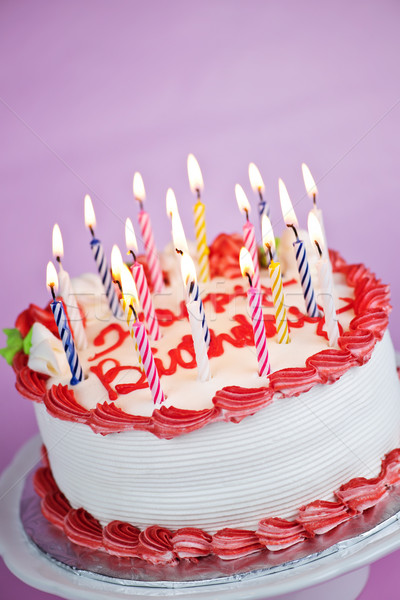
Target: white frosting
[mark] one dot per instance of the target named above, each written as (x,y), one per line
(46,354)
(292,452)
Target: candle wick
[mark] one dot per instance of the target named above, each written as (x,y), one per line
(260,195)
(140,203)
(91,230)
(133,255)
(51,286)
(318,248)
(191,287)
(134,311)
(249,278)
(198,194)
(179,251)
(294,229)
(247,214)
(315,199)
(58,259)
(270,252)
(118,284)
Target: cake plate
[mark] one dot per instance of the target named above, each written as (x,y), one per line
(349,565)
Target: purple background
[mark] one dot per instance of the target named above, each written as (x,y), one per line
(91,92)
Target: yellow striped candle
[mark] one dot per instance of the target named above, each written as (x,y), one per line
(278,297)
(196,185)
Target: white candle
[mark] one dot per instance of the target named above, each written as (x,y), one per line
(312,192)
(325,280)
(66,292)
(195,318)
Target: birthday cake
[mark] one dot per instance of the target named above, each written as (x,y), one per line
(233,464)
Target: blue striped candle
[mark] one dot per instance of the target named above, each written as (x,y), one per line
(305,279)
(105,275)
(67,341)
(195,296)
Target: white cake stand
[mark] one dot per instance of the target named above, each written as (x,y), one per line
(343,574)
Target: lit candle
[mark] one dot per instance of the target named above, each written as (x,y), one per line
(117,265)
(100,259)
(181,248)
(325,279)
(66,292)
(257,184)
(196,185)
(141,283)
(249,236)
(300,252)
(276,283)
(312,192)
(147,235)
(178,233)
(63,327)
(253,295)
(195,319)
(138,333)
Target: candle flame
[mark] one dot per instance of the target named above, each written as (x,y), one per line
(309,181)
(116,262)
(51,276)
(241,199)
(188,269)
(178,233)
(267,233)
(286,205)
(128,285)
(130,237)
(246,263)
(57,242)
(139,192)
(194,174)
(315,232)
(171,205)
(90,217)
(256,181)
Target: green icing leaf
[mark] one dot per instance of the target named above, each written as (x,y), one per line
(27,343)
(15,343)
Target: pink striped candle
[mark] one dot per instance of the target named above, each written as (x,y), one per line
(249,234)
(147,236)
(141,283)
(249,238)
(254,298)
(148,363)
(146,300)
(138,332)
